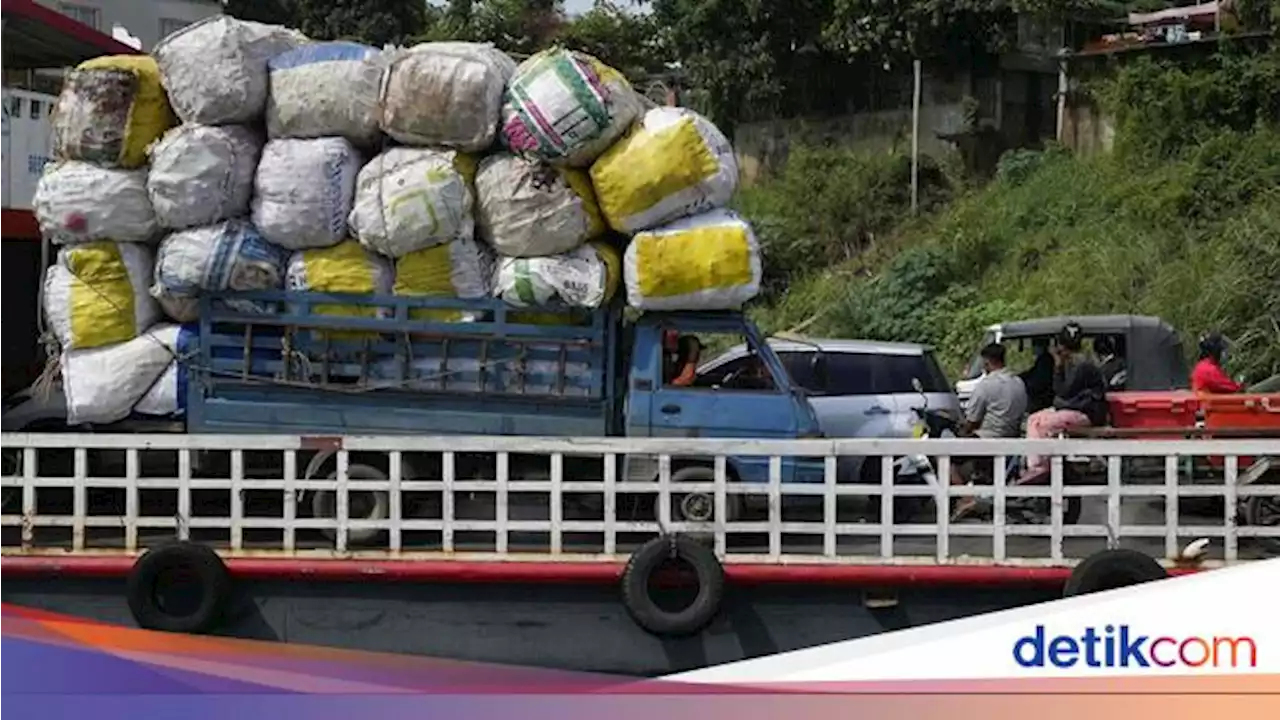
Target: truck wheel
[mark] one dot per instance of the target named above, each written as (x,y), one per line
(1111,569)
(180,587)
(645,563)
(699,506)
(361,505)
(1262,511)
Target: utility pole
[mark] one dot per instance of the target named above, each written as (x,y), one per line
(915,142)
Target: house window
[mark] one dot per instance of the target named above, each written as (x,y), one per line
(82,14)
(169,26)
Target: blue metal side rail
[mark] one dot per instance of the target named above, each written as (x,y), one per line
(323,362)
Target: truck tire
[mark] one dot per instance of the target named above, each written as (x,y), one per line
(1111,569)
(683,503)
(171,567)
(645,562)
(368,505)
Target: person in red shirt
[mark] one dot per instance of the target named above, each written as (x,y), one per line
(1208,375)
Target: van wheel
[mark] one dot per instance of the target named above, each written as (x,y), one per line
(361,505)
(699,506)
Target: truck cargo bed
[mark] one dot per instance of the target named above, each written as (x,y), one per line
(343,364)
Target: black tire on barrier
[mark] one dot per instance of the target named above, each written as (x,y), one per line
(1112,569)
(186,567)
(641,605)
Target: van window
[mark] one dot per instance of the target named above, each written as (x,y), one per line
(867,373)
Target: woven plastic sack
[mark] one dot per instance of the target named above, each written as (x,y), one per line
(527,208)
(445,93)
(215,70)
(304,191)
(110,109)
(77,202)
(96,294)
(202,174)
(230,255)
(461,268)
(168,396)
(706,262)
(104,384)
(345,268)
(672,164)
(326,89)
(409,199)
(583,278)
(566,107)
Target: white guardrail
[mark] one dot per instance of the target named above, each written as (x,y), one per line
(583,500)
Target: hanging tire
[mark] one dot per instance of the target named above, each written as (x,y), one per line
(647,560)
(367,505)
(179,587)
(1112,569)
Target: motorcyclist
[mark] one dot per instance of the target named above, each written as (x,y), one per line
(1208,375)
(1079,398)
(995,410)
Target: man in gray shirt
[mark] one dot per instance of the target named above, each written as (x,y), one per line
(999,402)
(995,410)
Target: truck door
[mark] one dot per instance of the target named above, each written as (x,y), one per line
(743,398)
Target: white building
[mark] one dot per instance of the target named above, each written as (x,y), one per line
(146,20)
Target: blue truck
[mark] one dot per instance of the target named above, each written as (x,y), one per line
(324,364)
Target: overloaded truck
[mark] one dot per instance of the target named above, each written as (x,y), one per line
(376,370)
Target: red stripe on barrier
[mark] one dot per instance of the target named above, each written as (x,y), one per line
(554,572)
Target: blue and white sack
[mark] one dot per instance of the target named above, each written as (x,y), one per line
(230,255)
(168,397)
(103,385)
(326,89)
(304,191)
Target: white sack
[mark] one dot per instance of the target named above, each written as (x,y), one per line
(227,256)
(527,208)
(566,107)
(705,262)
(168,396)
(304,191)
(410,199)
(445,93)
(583,278)
(326,89)
(215,70)
(76,202)
(102,385)
(201,174)
(96,294)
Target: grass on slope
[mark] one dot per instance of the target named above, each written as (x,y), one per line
(1194,239)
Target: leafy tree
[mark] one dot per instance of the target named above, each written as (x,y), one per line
(376,22)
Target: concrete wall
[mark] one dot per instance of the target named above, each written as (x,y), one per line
(1086,129)
(147,20)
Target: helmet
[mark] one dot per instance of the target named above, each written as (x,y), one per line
(1071,336)
(1212,344)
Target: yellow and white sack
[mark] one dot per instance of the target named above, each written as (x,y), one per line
(527,208)
(78,202)
(110,109)
(445,93)
(345,268)
(706,262)
(583,278)
(408,199)
(461,269)
(672,164)
(97,294)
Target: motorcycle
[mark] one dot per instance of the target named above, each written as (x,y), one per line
(920,469)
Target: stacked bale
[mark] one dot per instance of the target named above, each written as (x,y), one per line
(92,203)
(519,182)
